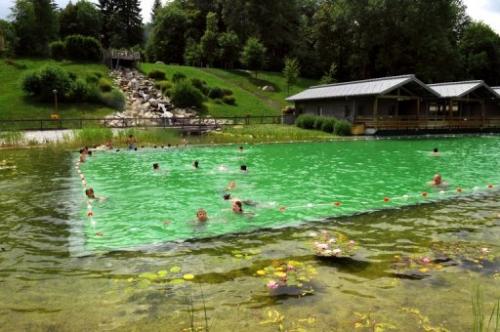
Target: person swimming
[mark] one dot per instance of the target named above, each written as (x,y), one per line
(435,152)
(228,197)
(437,181)
(201,215)
(132,142)
(90,193)
(241,148)
(156,166)
(83,155)
(244,168)
(196,164)
(237,207)
(231,185)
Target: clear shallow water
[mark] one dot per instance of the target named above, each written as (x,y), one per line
(305,179)
(51,281)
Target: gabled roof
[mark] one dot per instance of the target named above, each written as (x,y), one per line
(496,89)
(377,86)
(459,89)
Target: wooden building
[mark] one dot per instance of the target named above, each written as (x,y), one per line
(404,103)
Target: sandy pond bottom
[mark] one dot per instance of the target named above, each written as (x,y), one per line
(57,275)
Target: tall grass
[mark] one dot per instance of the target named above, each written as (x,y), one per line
(92,136)
(150,136)
(478,313)
(10,138)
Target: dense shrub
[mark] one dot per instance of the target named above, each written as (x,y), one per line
(329,125)
(342,128)
(218,101)
(20,66)
(79,91)
(200,85)
(105,85)
(178,77)
(57,50)
(157,75)
(114,99)
(42,83)
(230,100)
(215,93)
(184,94)
(82,48)
(227,92)
(318,122)
(163,86)
(305,121)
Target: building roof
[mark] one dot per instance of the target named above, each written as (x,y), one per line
(377,86)
(496,89)
(460,89)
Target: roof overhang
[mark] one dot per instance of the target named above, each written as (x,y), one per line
(461,89)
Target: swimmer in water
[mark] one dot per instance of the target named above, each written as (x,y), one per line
(231,185)
(237,207)
(196,164)
(201,215)
(91,195)
(227,197)
(244,168)
(132,142)
(156,166)
(241,148)
(437,181)
(83,156)
(435,152)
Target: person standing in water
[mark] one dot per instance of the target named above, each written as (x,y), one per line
(202,215)
(196,164)
(435,152)
(132,142)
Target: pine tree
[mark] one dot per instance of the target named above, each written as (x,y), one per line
(46,27)
(291,72)
(126,22)
(156,8)
(106,7)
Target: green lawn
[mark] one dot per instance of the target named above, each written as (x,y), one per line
(250,100)
(15,105)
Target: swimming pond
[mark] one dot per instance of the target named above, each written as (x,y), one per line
(290,184)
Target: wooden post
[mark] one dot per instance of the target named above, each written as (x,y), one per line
(375,112)
(483,113)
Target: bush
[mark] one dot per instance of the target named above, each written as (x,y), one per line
(318,122)
(114,99)
(82,48)
(157,75)
(57,50)
(218,101)
(329,125)
(79,91)
(342,128)
(305,121)
(42,83)
(105,85)
(200,85)
(184,94)
(20,66)
(178,77)
(227,92)
(215,93)
(163,86)
(230,100)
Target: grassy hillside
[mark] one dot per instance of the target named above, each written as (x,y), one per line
(15,105)
(250,99)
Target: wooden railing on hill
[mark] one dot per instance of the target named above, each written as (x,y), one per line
(192,124)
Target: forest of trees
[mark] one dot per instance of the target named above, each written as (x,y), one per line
(337,39)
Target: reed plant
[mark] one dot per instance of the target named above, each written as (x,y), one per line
(11,138)
(479,315)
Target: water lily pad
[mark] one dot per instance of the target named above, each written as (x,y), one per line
(175,269)
(148,275)
(177,281)
(162,273)
(188,276)
(261,272)
(144,283)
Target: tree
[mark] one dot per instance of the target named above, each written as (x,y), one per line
(83,18)
(156,8)
(167,42)
(230,48)
(330,76)
(46,25)
(480,47)
(253,55)
(208,43)
(7,38)
(291,72)
(193,55)
(126,24)
(106,8)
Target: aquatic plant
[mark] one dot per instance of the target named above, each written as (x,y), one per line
(290,278)
(334,245)
(11,138)
(91,136)
(478,313)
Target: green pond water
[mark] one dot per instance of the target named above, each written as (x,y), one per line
(56,274)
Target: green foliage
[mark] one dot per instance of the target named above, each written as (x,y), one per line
(254,54)
(57,50)
(193,55)
(163,86)
(42,83)
(318,122)
(82,48)
(79,91)
(105,85)
(291,72)
(178,76)
(329,125)
(230,48)
(329,76)
(305,121)
(7,38)
(124,23)
(227,92)
(157,75)
(92,136)
(81,18)
(184,95)
(200,85)
(114,99)
(15,64)
(342,128)
(215,93)
(208,42)
(230,100)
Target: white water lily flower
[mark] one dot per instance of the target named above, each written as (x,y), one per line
(336,251)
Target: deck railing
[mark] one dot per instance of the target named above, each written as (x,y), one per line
(428,123)
(191,123)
